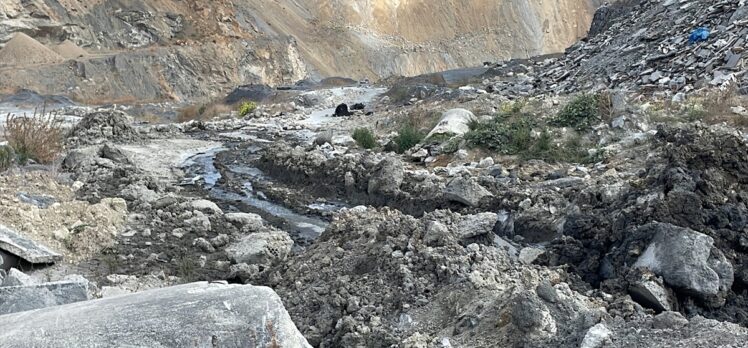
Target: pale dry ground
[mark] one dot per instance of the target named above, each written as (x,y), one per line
(75,229)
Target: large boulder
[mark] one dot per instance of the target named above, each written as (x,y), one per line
(191,315)
(453,122)
(466,191)
(387,177)
(687,260)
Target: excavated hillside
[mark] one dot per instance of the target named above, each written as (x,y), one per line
(185,50)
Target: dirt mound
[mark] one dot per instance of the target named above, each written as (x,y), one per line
(23,50)
(68,49)
(102,126)
(379,278)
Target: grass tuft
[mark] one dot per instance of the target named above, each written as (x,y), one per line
(365,138)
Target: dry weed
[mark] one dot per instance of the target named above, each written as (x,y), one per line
(38,137)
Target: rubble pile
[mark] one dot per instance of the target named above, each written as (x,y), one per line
(672,237)
(673,45)
(378,278)
(102,126)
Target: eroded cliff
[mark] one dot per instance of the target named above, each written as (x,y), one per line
(168,49)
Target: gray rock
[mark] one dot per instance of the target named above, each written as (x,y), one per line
(261,248)
(597,337)
(191,315)
(528,255)
(476,225)
(204,206)
(547,292)
(682,257)
(252,222)
(651,293)
(28,297)
(18,278)
(465,191)
(113,153)
(453,122)
(387,177)
(669,320)
(26,249)
(436,234)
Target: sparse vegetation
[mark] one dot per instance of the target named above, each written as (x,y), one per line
(186,267)
(581,113)
(247,108)
(513,134)
(7,157)
(407,137)
(513,106)
(38,137)
(365,138)
(505,134)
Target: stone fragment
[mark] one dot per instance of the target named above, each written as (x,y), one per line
(651,293)
(466,191)
(204,206)
(597,337)
(261,248)
(26,249)
(387,177)
(27,297)
(682,257)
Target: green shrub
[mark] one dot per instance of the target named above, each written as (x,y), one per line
(365,138)
(407,137)
(504,134)
(513,106)
(695,113)
(581,113)
(247,108)
(512,135)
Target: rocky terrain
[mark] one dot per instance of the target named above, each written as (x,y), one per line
(556,201)
(145,51)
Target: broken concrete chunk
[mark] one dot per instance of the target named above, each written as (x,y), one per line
(28,297)
(26,249)
(191,315)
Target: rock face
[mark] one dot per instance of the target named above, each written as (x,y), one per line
(686,259)
(191,315)
(163,49)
